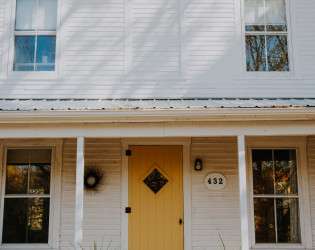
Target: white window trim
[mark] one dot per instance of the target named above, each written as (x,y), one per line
(55,193)
(294,73)
(299,144)
(8,49)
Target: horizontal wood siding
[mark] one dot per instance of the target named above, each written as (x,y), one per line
(311,179)
(215,212)
(155,37)
(102,210)
(164,49)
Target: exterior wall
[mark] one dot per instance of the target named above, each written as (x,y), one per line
(160,49)
(215,212)
(102,211)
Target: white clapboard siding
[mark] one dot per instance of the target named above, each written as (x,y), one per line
(305,10)
(155,37)
(311,179)
(215,212)
(163,49)
(94,38)
(102,210)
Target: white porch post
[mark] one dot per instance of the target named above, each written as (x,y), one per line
(79,193)
(243,192)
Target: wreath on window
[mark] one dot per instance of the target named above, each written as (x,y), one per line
(93,178)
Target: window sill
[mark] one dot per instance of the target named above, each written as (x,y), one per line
(23,246)
(269,76)
(32,75)
(279,246)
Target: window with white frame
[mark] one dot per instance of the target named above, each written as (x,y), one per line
(35,35)
(275,196)
(266,35)
(27,196)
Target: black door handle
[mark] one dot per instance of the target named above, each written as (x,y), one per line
(180,221)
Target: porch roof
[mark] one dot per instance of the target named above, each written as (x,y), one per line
(152,104)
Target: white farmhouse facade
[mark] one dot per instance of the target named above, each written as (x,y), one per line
(157,125)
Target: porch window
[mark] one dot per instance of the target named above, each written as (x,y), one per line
(275,196)
(27,196)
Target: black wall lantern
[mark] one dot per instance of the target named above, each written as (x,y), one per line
(198,165)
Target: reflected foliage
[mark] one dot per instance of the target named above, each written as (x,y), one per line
(26,220)
(276,218)
(255,53)
(277,52)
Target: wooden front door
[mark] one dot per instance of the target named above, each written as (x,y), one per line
(156,198)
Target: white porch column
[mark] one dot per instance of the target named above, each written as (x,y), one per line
(243,192)
(79,193)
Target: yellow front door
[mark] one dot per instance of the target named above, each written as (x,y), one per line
(156,198)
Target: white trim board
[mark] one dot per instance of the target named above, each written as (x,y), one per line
(185,142)
(170,129)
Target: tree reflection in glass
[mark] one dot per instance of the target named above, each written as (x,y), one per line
(24,55)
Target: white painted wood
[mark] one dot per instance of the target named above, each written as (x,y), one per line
(103,42)
(170,129)
(244,211)
(102,210)
(215,213)
(79,194)
(125,197)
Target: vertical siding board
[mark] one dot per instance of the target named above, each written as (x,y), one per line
(102,210)
(215,212)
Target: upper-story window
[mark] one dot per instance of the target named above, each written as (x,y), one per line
(35,35)
(266,35)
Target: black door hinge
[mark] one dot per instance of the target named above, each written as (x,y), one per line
(128,152)
(127,210)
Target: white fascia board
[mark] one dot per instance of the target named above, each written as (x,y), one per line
(91,116)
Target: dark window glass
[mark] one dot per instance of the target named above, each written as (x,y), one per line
(264,211)
(276,217)
(26,220)
(263,172)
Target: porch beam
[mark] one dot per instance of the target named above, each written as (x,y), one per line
(79,194)
(243,192)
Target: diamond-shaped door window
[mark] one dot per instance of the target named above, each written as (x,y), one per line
(155,180)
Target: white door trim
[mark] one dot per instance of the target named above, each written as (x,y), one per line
(185,142)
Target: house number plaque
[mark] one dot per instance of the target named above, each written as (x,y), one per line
(215,181)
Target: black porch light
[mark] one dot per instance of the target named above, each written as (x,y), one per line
(198,164)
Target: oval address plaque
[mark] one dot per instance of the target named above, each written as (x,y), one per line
(215,181)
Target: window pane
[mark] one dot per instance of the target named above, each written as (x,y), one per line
(255,53)
(24,53)
(262,172)
(254,15)
(264,220)
(25,15)
(16,179)
(276,15)
(47,15)
(39,179)
(277,49)
(285,172)
(288,222)
(25,220)
(45,53)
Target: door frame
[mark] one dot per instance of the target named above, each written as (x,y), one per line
(185,142)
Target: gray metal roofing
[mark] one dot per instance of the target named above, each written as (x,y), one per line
(129,104)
